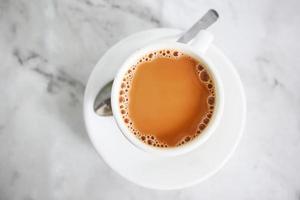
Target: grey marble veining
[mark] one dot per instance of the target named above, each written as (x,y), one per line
(48,49)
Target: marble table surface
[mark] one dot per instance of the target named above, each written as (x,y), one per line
(48,49)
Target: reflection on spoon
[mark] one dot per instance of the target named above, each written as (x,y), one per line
(102,105)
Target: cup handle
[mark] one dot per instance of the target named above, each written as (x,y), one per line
(202,41)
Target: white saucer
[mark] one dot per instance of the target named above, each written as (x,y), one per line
(163,172)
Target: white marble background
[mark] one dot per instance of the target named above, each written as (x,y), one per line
(48,49)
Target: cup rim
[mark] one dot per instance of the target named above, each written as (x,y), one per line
(198,140)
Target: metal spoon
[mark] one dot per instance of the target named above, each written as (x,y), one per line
(204,22)
(102,104)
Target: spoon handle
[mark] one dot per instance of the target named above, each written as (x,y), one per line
(204,22)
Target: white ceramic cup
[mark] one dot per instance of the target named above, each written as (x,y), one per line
(196,48)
